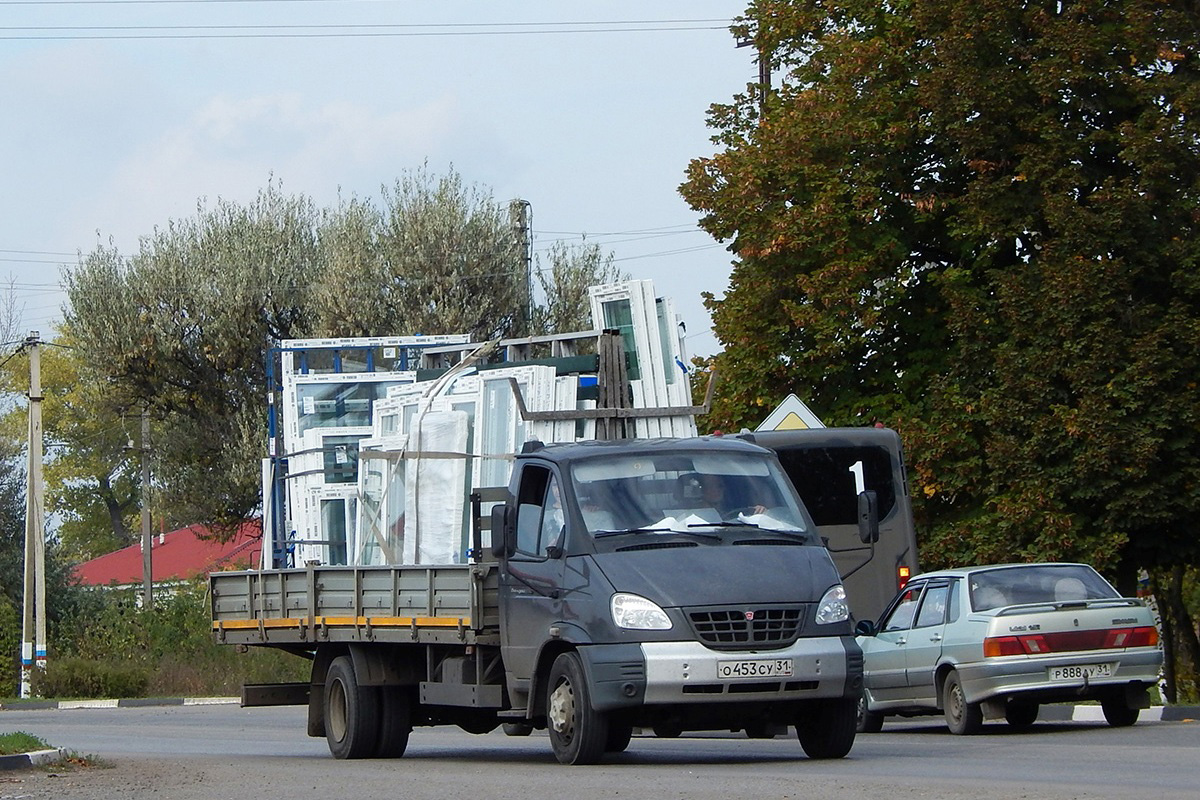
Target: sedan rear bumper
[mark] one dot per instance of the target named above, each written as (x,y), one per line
(995,677)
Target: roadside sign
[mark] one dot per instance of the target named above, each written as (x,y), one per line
(790,415)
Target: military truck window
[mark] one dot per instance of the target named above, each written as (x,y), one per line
(829,480)
(540,517)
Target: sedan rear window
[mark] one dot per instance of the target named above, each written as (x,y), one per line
(1039,583)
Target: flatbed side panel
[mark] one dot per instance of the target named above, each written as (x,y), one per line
(452,603)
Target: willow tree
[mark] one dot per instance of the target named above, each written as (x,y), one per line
(977,223)
(564,274)
(182,326)
(439,256)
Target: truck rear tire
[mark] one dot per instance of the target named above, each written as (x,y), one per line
(351,712)
(395,721)
(828,729)
(578,733)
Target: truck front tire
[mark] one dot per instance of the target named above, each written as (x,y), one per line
(578,733)
(827,729)
(351,712)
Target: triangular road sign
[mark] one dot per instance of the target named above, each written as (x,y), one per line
(790,415)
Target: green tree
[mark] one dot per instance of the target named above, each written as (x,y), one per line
(183,325)
(977,223)
(91,466)
(439,257)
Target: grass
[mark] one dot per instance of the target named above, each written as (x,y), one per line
(19,742)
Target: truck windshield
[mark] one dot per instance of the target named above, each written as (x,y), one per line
(685,493)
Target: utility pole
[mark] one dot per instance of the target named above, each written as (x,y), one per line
(147,537)
(520,214)
(764,76)
(33,628)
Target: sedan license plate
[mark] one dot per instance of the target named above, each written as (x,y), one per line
(1078,672)
(772,668)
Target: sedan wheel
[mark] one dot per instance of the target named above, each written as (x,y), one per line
(1117,712)
(867,721)
(962,718)
(1021,714)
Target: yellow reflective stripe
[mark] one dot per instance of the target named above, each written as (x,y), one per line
(253,623)
(375,622)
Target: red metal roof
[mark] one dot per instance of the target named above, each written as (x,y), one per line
(182,554)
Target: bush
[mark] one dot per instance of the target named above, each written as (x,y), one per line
(10,647)
(113,648)
(81,677)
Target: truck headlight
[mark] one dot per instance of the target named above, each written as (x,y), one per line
(638,613)
(832,607)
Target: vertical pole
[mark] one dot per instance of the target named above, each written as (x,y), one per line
(33,629)
(147,537)
(521,218)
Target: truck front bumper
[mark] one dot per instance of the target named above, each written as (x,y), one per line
(652,673)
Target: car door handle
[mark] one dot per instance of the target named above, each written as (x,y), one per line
(901,641)
(937,637)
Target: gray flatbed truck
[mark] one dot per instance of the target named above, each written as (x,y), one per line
(669,584)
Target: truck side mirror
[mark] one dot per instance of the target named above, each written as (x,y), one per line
(868,517)
(504,535)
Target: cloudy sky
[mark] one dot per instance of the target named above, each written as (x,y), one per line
(120,115)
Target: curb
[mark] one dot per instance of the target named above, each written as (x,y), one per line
(124,702)
(35,759)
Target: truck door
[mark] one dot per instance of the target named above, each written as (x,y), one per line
(531,597)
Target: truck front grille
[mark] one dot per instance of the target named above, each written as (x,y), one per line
(745,628)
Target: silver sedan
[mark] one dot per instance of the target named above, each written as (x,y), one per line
(996,642)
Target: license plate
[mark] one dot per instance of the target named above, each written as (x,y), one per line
(773,668)
(1078,672)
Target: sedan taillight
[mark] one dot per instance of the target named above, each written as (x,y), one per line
(1069,641)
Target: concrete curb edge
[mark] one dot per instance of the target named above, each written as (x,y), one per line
(35,759)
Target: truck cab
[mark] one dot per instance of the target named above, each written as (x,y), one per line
(669,584)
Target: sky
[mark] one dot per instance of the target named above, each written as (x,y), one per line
(121,115)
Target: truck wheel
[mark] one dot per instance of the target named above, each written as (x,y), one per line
(351,712)
(578,733)
(827,729)
(962,718)
(761,730)
(517,729)
(395,722)
(1117,712)
(618,738)
(867,721)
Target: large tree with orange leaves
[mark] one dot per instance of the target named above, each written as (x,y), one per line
(977,222)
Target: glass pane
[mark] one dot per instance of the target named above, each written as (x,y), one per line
(664,340)
(333,523)
(618,314)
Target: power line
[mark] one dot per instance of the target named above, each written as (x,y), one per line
(39,252)
(328,31)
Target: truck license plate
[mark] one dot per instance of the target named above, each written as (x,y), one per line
(772,668)
(1078,672)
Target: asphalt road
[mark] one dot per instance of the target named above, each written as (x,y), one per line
(194,752)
